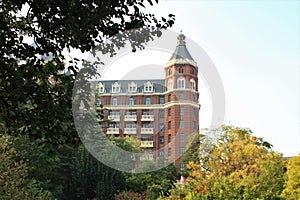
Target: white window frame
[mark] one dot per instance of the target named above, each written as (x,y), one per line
(181,82)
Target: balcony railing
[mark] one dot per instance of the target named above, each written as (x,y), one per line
(147,157)
(147,131)
(130,118)
(146,143)
(114,117)
(130,131)
(147,118)
(112,131)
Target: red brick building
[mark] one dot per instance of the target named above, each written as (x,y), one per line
(161,113)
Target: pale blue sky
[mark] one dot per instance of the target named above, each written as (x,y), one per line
(255,46)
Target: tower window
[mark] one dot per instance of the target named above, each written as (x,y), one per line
(193,97)
(169,98)
(169,112)
(181,83)
(180,70)
(170,72)
(192,71)
(194,111)
(169,138)
(170,84)
(181,138)
(169,125)
(181,123)
(192,84)
(169,151)
(181,110)
(181,96)
(181,151)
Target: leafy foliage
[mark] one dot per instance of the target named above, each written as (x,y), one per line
(238,166)
(15,182)
(292,179)
(152,184)
(35,94)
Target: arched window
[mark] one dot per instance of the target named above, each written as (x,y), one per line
(170,84)
(192,71)
(192,84)
(180,70)
(180,83)
(115,88)
(170,72)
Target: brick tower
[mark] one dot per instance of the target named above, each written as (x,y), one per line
(181,97)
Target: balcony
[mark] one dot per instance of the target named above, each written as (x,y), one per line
(130,131)
(147,157)
(147,118)
(147,131)
(146,143)
(112,131)
(114,117)
(131,118)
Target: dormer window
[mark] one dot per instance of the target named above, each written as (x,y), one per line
(181,83)
(170,84)
(192,84)
(148,87)
(115,88)
(100,88)
(132,87)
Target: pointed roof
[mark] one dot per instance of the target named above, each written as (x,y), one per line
(181,54)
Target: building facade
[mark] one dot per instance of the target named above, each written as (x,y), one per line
(161,113)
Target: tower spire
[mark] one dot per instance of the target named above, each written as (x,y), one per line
(181,55)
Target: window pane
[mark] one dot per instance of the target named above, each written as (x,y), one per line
(181,96)
(161,140)
(161,100)
(181,137)
(181,151)
(181,124)
(181,110)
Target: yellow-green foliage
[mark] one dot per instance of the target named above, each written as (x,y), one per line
(292,184)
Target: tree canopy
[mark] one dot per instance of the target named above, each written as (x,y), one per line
(237,166)
(29,102)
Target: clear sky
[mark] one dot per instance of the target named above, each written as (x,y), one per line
(255,46)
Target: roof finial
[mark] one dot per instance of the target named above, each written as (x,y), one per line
(180,39)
